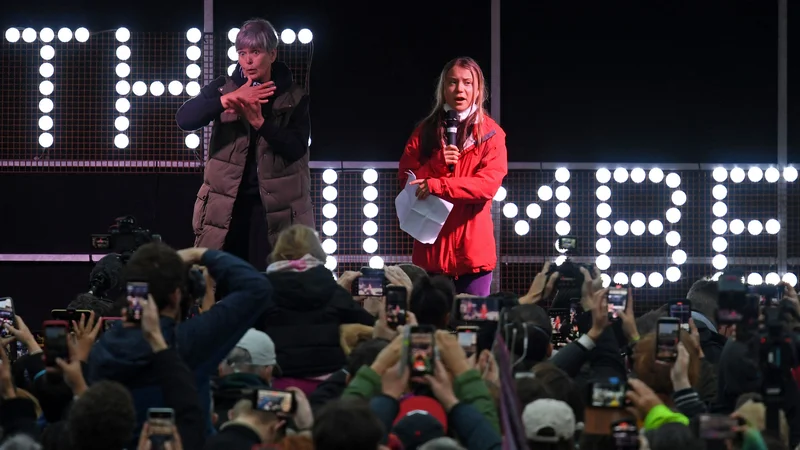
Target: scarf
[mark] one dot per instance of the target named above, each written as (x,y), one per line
(462,116)
(298,265)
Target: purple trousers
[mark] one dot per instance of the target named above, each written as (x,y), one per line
(478,284)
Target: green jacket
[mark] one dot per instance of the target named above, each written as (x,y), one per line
(469,388)
(660,415)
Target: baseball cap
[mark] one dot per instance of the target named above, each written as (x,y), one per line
(421,419)
(261,349)
(545,413)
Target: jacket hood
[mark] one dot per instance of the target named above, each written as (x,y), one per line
(123,354)
(281,75)
(301,291)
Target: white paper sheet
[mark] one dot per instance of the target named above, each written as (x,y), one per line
(421,219)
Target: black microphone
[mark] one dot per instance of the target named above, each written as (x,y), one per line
(451,129)
(106,275)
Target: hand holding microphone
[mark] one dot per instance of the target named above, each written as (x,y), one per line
(451,152)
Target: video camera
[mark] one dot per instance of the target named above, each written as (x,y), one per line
(123,238)
(570,279)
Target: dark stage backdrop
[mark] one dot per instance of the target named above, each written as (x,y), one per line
(679,81)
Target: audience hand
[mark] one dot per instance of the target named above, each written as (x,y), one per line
(695,337)
(388,357)
(541,287)
(487,366)
(151,325)
(394,381)
(7,389)
(71,370)
(442,387)
(146,444)
(22,334)
(642,397)
(591,284)
(381,330)
(192,255)
(629,320)
(451,154)
(790,294)
(346,280)
(398,277)
(452,355)
(598,305)
(85,335)
(303,417)
(680,370)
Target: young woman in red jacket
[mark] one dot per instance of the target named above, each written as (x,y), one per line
(465,248)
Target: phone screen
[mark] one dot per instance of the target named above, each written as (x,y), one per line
(717,427)
(682,311)
(275,401)
(608,394)
(161,421)
(468,340)
(421,353)
(396,301)
(617,302)
(625,434)
(6,315)
(370,283)
(479,309)
(55,343)
(563,323)
(137,294)
(667,335)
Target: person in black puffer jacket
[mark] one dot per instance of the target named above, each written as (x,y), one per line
(309,307)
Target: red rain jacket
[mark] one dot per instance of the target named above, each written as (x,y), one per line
(466,243)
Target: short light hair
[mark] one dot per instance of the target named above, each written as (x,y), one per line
(295,242)
(258,34)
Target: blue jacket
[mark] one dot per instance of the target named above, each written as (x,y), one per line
(123,355)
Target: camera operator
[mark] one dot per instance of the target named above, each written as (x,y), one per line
(761,360)
(202,342)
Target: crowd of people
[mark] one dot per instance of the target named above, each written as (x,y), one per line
(289,359)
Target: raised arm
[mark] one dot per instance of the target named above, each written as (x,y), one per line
(434,167)
(201,110)
(480,187)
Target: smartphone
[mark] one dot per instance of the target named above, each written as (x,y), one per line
(70,315)
(681,310)
(732,299)
(7,315)
(617,302)
(137,295)
(468,339)
(281,402)
(396,304)
(667,338)
(55,341)
(108,322)
(161,422)
(371,283)
(420,349)
(567,243)
(625,434)
(560,322)
(767,294)
(717,427)
(608,394)
(478,309)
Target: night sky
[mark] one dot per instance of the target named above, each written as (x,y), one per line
(661,81)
